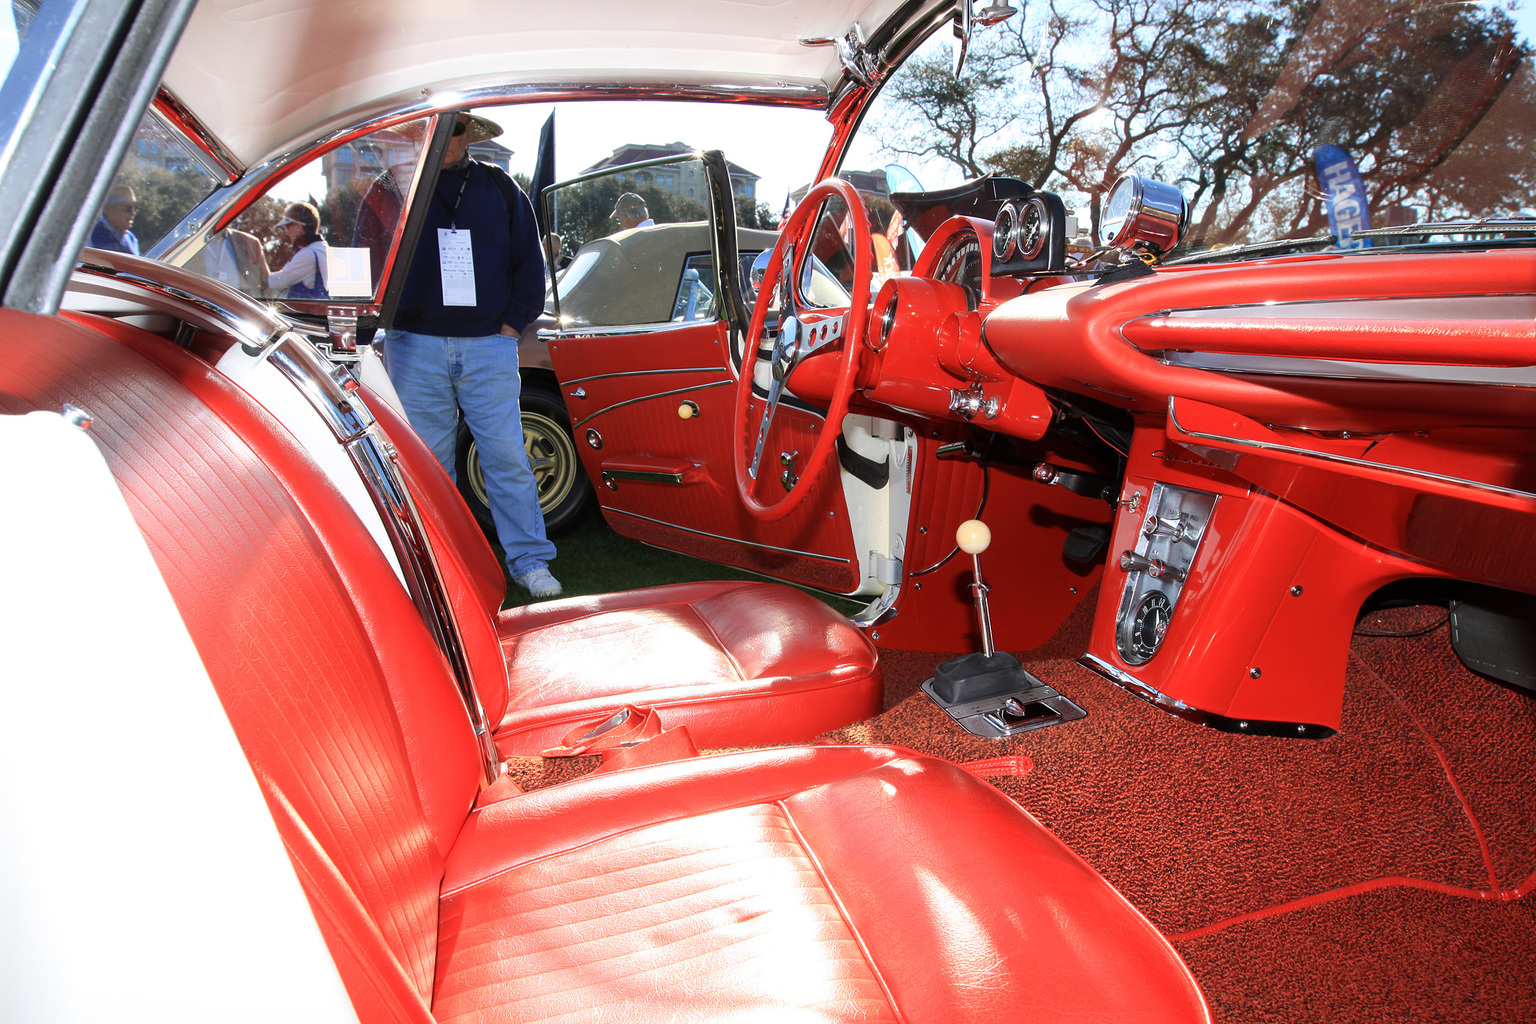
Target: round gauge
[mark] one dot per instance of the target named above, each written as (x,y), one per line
(1142,633)
(1003,233)
(961,265)
(1032,229)
(1118,210)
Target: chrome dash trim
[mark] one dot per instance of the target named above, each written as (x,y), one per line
(324,386)
(1340,369)
(643,373)
(645,398)
(1190,713)
(1345,460)
(731,540)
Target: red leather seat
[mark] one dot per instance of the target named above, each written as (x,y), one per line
(824,883)
(739,663)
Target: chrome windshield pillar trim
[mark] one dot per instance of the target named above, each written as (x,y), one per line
(1345,460)
(188,124)
(324,386)
(1179,709)
(646,398)
(730,540)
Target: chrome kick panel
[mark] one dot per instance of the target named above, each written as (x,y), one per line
(1157,568)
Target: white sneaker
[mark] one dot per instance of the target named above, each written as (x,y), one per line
(539,582)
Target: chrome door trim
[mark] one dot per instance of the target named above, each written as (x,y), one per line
(643,373)
(731,540)
(646,398)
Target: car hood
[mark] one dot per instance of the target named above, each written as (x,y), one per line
(264,75)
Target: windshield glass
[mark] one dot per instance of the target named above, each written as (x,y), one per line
(1276,119)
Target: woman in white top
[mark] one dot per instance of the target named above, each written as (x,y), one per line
(304,276)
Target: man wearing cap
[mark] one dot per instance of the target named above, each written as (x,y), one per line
(111,230)
(475,281)
(630,211)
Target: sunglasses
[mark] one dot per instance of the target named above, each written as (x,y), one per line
(459,128)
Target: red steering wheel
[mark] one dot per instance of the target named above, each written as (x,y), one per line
(768,489)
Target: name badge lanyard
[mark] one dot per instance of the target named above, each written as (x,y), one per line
(456,256)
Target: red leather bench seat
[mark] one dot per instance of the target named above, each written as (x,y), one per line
(739,663)
(821,883)
(808,883)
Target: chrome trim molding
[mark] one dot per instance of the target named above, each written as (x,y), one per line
(645,398)
(169,106)
(324,386)
(642,475)
(1221,723)
(1339,369)
(644,373)
(249,334)
(1344,460)
(730,540)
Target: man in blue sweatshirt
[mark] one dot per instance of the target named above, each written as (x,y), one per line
(475,281)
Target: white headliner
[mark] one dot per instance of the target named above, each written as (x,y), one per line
(264,75)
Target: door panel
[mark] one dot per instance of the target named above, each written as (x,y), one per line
(669,478)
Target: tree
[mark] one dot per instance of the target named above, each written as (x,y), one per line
(1229,101)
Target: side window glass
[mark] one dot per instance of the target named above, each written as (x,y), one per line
(160,182)
(695,295)
(628,246)
(328,230)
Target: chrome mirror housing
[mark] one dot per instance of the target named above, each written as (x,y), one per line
(1142,213)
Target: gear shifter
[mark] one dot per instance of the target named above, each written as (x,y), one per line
(988,693)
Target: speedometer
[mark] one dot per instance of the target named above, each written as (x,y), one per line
(961,264)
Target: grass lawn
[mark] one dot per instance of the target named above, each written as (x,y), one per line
(592,559)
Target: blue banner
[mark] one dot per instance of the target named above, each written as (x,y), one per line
(1344,192)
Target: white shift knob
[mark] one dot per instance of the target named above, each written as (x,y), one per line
(973,536)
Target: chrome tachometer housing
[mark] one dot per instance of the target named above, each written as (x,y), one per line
(1143,214)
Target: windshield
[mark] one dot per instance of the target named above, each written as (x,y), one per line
(1277,119)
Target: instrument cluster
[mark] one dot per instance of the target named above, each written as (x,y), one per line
(1030,235)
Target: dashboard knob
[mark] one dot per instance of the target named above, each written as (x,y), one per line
(973,536)
(688,410)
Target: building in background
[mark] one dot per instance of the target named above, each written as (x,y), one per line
(678,179)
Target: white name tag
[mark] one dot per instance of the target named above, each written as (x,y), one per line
(458,263)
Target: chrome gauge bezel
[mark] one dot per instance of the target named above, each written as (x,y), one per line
(1142,633)
(1032,215)
(1003,229)
(1142,213)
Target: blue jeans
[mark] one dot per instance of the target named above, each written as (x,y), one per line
(435,378)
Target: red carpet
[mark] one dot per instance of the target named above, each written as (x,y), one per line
(1382,874)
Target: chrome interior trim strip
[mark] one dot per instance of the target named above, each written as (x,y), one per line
(1491,306)
(642,373)
(645,398)
(731,540)
(1177,708)
(187,123)
(1345,460)
(576,331)
(344,411)
(249,334)
(1338,369)
(643,475)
